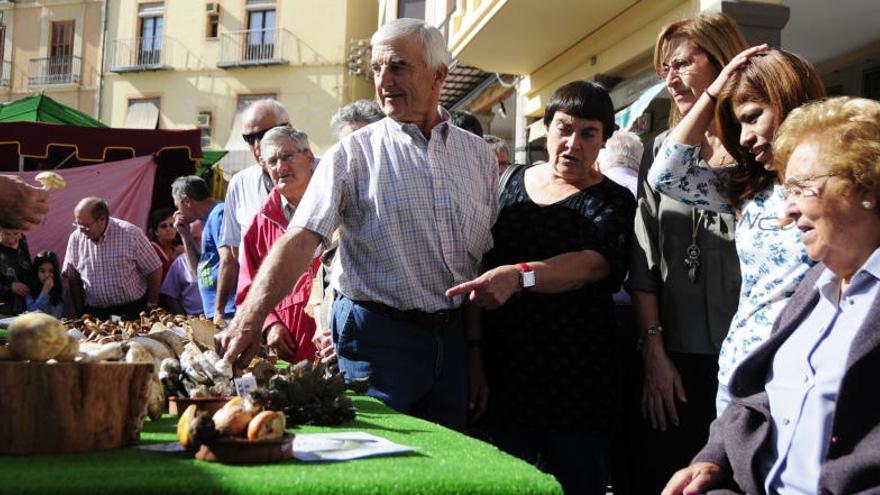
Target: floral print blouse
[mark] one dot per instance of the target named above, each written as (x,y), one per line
(772,258)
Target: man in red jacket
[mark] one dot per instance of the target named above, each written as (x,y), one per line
(288,330)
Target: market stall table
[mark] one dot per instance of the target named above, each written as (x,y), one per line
(446,462)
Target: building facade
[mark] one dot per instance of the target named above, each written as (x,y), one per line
(532,48)
(178,64)
(52,47)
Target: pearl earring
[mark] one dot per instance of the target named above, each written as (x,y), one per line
(867,205)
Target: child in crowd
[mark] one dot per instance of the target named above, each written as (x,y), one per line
(46,289)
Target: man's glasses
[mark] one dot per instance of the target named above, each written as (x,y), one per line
(679,65)
(797,188)
(84,227)
(284,157)
(256,136)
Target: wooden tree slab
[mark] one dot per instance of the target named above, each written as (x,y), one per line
(71,407)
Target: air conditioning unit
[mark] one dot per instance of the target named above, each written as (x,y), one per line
(203,120)
(213,7)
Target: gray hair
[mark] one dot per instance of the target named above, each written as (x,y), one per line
(622,148)
(266,106)
(190,186)
(431,39)
(360,111)
(497,143)
(277,135)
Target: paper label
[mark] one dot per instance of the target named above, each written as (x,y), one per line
(244,385)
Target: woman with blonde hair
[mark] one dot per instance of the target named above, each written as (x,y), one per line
(803,415)
(754,93)
(684,275)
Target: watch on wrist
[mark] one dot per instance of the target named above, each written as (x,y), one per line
(654,330)
(526,275)
(651,331)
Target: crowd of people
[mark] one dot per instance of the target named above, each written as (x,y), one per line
(487,296)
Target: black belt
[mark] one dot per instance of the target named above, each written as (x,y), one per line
(413,315)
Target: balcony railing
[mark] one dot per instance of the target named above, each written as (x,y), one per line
(5,72)
(253,47)
(140,54)
(54,70)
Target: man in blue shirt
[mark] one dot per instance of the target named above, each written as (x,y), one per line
(194,202)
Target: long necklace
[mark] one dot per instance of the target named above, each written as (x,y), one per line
(692,253)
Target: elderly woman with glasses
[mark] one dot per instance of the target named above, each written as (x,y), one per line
(804,416)
(15,268)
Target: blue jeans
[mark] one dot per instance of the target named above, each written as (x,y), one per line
(419,370)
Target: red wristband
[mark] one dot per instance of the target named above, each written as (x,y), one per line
(524,267)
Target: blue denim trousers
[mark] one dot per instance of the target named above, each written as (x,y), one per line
(420,370)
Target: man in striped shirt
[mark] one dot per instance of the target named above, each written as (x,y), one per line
(111,267)
(414,198)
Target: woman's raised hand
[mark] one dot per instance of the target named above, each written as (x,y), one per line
(735,64)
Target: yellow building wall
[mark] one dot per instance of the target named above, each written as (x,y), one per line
(312,86)
(620,48)
(614,49)
(28,25)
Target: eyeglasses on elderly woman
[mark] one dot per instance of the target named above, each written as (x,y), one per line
(795,188)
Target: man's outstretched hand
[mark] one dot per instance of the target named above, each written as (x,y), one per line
(22,206)
(240,342)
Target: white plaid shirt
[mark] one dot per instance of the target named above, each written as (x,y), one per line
(415,214)
(114,270)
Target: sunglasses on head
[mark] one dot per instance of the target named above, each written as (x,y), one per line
(255,136)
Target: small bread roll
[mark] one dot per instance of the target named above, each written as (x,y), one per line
(268,425)
(232,419)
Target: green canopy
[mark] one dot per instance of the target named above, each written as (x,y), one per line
(41,108)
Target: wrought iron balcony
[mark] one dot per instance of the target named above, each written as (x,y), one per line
(5,73)
(140,54)
(253,47)
(54,70)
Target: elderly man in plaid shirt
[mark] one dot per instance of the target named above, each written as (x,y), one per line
(111,267)
(414,198)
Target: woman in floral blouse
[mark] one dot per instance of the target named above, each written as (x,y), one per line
(750,97)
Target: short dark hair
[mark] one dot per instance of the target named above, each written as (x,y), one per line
(585,100)
(155,218)
(190,186)
(467,121)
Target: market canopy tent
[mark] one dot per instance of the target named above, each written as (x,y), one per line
(48,146)
(41,108)
(112,181)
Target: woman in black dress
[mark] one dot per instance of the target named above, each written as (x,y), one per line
(561,247)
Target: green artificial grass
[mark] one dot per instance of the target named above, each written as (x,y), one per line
(447,462)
